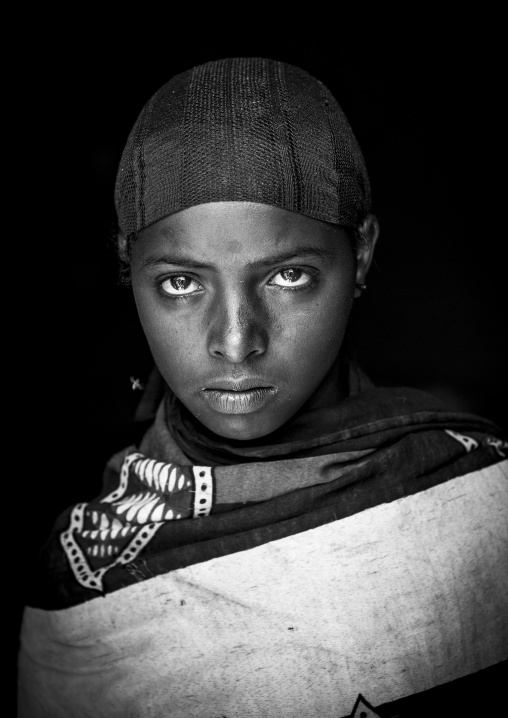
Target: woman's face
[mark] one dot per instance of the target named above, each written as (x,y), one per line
(244,307)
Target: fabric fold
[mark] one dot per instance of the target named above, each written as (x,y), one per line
(159,510)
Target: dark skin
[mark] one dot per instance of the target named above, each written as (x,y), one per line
(245,308)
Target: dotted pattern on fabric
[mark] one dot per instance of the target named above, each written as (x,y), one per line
(242,129)
(114,530)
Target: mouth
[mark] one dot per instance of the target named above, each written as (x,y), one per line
(237,396)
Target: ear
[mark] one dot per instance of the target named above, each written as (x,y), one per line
(369,231)
(122,245)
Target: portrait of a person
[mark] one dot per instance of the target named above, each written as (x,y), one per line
(284,537)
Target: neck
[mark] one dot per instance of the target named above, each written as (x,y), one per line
(333,389)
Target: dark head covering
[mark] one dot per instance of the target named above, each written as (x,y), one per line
(244,129)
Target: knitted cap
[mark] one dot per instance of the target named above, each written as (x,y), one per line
(244,129)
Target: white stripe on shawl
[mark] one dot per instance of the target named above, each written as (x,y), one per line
(388,602)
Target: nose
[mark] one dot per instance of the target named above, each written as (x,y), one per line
(237,329)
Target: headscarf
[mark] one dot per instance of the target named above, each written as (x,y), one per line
(242,129)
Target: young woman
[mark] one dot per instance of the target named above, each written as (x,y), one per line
(286,539)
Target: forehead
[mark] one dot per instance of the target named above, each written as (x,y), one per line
(246,230)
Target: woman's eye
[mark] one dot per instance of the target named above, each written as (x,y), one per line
(180,285)
(291,277)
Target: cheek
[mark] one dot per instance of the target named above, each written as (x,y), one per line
(317,330)
(173,341)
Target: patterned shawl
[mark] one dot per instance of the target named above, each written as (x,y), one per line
(185,495)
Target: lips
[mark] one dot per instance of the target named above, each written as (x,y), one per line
(238,396)
(237,384)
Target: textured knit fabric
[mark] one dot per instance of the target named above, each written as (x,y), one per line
(244,129)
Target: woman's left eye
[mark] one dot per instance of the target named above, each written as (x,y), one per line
(291,277)
(180,285)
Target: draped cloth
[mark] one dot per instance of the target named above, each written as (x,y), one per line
(352,563)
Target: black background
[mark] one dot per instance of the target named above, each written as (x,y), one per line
(423,100)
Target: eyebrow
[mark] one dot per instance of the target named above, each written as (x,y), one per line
(181,260)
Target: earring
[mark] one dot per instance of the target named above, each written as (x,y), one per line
(360,287)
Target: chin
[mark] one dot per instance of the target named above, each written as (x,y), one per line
(241,428)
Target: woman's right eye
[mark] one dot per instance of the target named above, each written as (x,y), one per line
(180,285)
